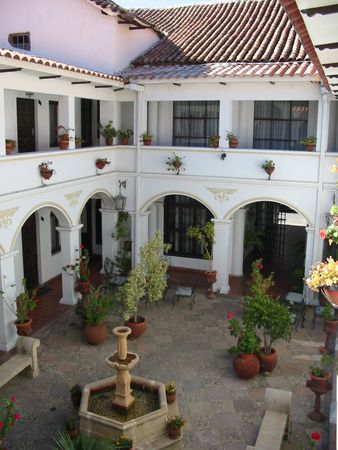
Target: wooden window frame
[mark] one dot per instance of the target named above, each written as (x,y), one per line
(14,38)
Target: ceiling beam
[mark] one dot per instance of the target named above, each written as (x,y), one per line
(103,87)
(333,75)
(81,82)
(323,10)
(331,46)
(17,69)
(328,65)
(139,27)
(48,77)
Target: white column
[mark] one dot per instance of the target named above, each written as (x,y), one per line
(309,256)
(67,116)
(8,334)
(160,216)
(238,242)
(2,123)
(225,120)
(70,245)
(222,253)
(109,245)
(143,221)
(152,220)
(153,120)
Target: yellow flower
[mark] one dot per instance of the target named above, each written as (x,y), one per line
(323,274)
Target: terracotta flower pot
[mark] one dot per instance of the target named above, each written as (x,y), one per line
(100,165)
(310,147)
(83,286)
(268,361)
(233,143)
(137,328)
(246,366)
(95,334)
(331,293)
(330,326)
(319,385)
(147,141)
(109,141)
(124,141)
(63,144)
(171,398)
(72,433)
(9,148)
(211,276)
(47,175)
(174,433)
(24,329)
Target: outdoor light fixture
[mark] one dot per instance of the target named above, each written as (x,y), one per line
(120,200)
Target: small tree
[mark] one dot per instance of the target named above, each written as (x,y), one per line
(205,236)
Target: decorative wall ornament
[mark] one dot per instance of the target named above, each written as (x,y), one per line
(73,198)
(221,195)
(6,217)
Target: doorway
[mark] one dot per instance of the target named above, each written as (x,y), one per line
(30,253)
(86,122)
(26,124)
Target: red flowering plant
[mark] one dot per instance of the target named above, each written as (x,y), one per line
(80,268)
(8,416)
(312,443)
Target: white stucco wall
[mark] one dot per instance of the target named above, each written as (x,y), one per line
(74,32)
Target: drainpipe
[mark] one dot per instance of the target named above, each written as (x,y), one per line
(139,111)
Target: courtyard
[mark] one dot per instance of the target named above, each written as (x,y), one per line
(188,346)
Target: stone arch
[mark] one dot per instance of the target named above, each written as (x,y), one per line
(105,196)
(61,214)
(153,199)
(230,213)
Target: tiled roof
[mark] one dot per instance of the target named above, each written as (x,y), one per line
(238,32)
(213,70)
(58,65)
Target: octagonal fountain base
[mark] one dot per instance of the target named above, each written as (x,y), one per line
(147,429)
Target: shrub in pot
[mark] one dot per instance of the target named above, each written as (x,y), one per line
(170,390)
(174,425)
(76,394)
(71,427)
(108,132)
(146,138)
(96,306)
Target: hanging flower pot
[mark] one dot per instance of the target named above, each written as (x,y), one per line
(269,167)
(45,171)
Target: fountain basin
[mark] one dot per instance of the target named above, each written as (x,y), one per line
(147,427)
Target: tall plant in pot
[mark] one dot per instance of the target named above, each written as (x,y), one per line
(96,306)
(108,132)
(205,236)
(266,314)
(147,280)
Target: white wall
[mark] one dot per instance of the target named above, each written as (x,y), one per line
(74,32)
(333,128)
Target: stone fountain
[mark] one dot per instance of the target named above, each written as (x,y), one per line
(125,404)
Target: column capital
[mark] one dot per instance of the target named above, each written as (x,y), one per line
(108,211)
(310,229)
(4,256)
(222,221)
(70,229)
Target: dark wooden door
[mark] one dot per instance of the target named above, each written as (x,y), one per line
(87,229)
(26,124)
(86,122)
(29,252)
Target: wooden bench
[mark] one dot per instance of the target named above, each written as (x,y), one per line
(25,356)
(276,420)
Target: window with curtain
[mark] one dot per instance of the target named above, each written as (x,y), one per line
(279,125)
(195,122)
(181,212)
(54,234)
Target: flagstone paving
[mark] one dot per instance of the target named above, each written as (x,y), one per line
(181,345)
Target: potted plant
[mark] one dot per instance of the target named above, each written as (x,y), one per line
(146,138)
(124,136)
(324,276)
(146,280)
(10,146)
(269,167)
(330,328)
(267,314)
(174,426)
(63,136)
(170,390)
(319,375)
(213,141)
(80,270)
(45,171)
(175,163)
(233,140)
(123,442)
(101,163)
(309,142)
(108,132)
(96,306)
(26,302)
(8,417)
(121,230)
(246,363)
(81,442)
(78,141)
(71,427)
(122,263)
(76,394)
(205,236)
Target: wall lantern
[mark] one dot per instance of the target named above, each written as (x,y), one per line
(120,200)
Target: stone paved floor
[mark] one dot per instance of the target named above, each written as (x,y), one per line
(181,345)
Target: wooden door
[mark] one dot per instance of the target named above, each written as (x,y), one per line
(29,252)
(26,124)
(86,122)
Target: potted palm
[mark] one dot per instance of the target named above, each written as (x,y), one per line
(124,136)
(108,132)
(174,426)
(309,142)
(269,167)
(146,138)
(147,280)
(96,306)
(233,139)
(205,236)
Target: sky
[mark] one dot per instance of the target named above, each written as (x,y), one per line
(157,3)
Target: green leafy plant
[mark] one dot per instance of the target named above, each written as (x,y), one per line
(254,238)
(308,140)
(44,167)
(213,141)
(334,210)
(146,137)
(330,234)
(81,442)
(175,163)
(319,368)
(126,134)
(170,388)
(147,279)
(175,421)
(268,164)
(122,442)
(231,137)
(96,306)
(71,423)
(247,340)
(8,415)
(81,267)
(107,131)
(205,236)
(328,312)
(121,230)
(123,263)
(26,301)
